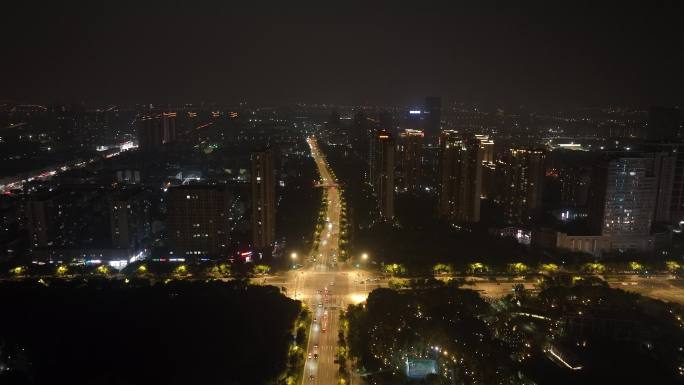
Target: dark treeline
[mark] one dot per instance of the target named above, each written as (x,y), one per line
(110,332)
(615,336)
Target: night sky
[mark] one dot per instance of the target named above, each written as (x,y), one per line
(539,55)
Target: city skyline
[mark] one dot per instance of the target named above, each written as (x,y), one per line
(359,193)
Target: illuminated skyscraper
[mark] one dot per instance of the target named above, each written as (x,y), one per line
(460,177)
(383,181)
(263,198)
(410,148)
(623,200)
(523,170)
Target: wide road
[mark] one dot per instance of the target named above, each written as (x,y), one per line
(325,287)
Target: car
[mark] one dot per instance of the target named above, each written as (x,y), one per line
(311,377)
(320,304)
(315,356)
(309,355)
(315,319)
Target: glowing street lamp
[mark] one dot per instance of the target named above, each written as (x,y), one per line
(364,256)
(293,256)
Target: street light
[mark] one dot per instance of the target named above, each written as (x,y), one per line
(364,256)
(293,256)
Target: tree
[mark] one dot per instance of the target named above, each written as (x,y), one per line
(477,268)
(636,267)
(395,269)
(442,268)
(549,268)
(673,267)
(517,268)
(593,268)
(261,269)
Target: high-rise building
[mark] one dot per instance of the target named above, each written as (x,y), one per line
(263,198)
(42,217)
(199,220)
(523,170)
(574,183)
(487,148)
(410,149)
(623,200)
(129,215)
(488,167)
(386,121)
(665,168)
(383,181)
(433,118)
(671,181)
(663,123)
(460,177)
(66,217)
(155,130)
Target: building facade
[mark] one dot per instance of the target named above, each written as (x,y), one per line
(410,152)
(460,177)
(383,178)
(623,200)
(129,219)
(199,220)
(263,198)
(523,171)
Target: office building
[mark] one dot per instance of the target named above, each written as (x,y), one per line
(460,177)
(523,173)
(383,182)
(623,200)
(410,153)
(155,130)
(198,220)
(628,189)
(263,198)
